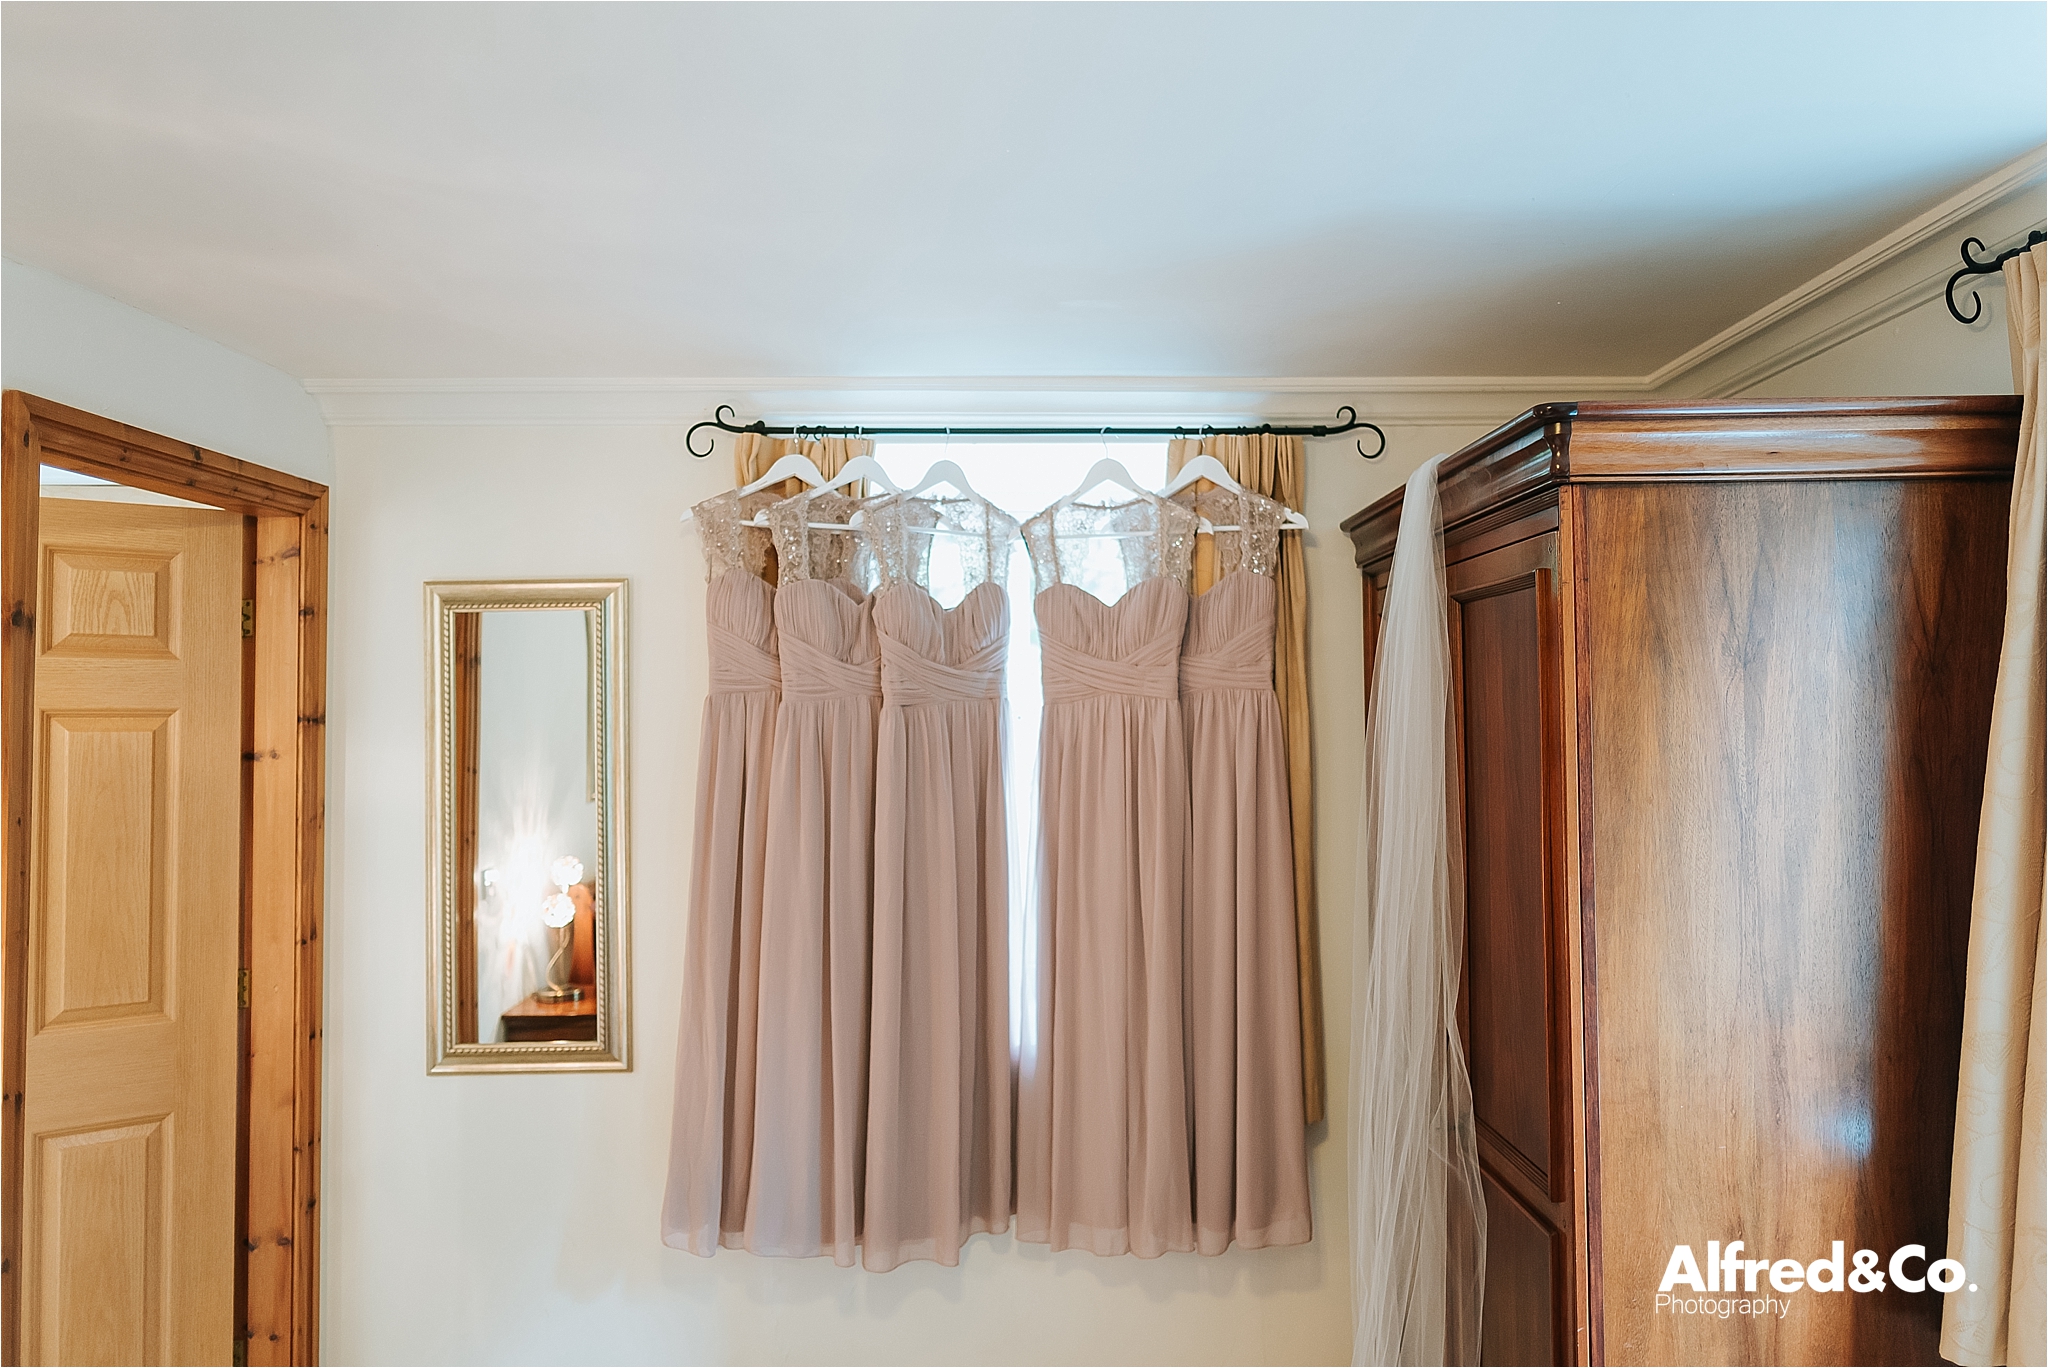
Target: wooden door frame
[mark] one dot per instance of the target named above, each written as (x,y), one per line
(286,860)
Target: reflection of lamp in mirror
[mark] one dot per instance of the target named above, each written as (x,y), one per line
(559,913)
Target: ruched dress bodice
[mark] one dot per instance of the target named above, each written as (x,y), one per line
(739,619)
(937,655)
(1128,649)
(1229,645)
(826,632)
(1102,1158)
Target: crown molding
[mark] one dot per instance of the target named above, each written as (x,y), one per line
(988,400)
(1904,270)
(1936,226)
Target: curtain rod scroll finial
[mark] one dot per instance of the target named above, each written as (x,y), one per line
(1971,266)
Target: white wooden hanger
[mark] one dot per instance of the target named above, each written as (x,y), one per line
(1206,467)
(859,468)
(1202,467)
(791,467)
(938,473)
(794,466)
(1108,470)
(946,472)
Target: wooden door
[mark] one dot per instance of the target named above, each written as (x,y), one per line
(134,938)
(1515,1004)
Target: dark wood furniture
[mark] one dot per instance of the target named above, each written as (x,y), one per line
(1722,684)
(533,1019)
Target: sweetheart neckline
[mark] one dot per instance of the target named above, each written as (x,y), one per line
(1225,579)
(856,600)
(932,599)
(1121,599)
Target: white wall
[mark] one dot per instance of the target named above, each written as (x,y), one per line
(64,342)
(514,1218)
(1922,351)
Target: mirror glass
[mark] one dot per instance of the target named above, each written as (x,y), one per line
(531,825)
(527,927)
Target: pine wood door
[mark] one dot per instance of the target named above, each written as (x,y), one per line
(134,938)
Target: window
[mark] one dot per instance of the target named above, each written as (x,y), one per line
(1022,478)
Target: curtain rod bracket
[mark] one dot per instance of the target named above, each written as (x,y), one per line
(1971,266)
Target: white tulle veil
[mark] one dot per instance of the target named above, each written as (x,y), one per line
(1418,1218)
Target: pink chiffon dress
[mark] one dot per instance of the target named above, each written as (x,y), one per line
(711,1137)
(1102,1140)
(939,1080)
(809,1123)
(1244,1023)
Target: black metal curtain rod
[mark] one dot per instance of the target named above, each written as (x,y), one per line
(1971,266)
(1347,421)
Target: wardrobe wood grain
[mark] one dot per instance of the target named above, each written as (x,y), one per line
(1722,682)
(1791,696)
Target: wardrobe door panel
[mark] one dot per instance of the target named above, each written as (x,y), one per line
(1507,719)
(1525,1272)
(1790,698)
(1504,893)
(1514,1003)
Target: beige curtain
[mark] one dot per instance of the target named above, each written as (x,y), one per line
(753,454)
(1272,466)
(1995,1219)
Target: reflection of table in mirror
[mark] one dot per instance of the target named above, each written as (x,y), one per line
(533,1019)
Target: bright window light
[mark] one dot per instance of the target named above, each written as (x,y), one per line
(1022,478)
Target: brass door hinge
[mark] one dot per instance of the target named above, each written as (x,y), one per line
(241,1358)
(248,617)
(242,991)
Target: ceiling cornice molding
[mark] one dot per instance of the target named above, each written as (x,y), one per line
(1937,225)
(1446,400)
(976,384)
(1152,400)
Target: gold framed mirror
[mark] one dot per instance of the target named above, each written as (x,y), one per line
(527,930)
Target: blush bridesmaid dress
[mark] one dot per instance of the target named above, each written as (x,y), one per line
(809,1123)
(711,1137)
(939,1089)
(1102,1142)
(1244,1024)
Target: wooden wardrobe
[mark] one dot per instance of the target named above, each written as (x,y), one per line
(1722,686)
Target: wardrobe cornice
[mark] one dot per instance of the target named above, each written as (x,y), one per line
(1530,456)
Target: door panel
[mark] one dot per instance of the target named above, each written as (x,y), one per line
(1525,1269)
(102,1241)
(104,815)
(134,938)
(1514,1004)
(1505,894)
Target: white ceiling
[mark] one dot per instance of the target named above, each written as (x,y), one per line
(412,191)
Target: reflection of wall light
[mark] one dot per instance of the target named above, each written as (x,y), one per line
(559,913)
